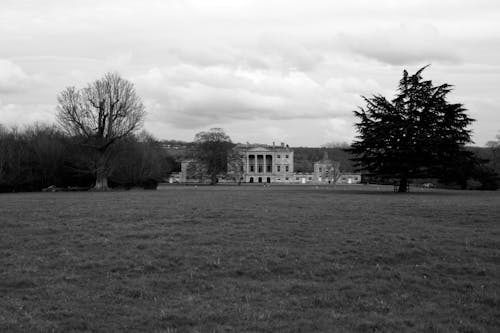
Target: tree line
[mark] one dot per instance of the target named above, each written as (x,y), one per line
(39,156)
(418,134)
(98,142)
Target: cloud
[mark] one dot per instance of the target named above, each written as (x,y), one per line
(337,130)
(26,114)
(192,96)
(259,68)
(406,44)
(12,77)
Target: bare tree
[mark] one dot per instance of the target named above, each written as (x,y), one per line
(101,114)
(235,165)
(494,146)
(333,172)
(212,149)
(4,150)
(141,162)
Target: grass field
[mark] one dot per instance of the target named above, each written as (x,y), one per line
(250,259)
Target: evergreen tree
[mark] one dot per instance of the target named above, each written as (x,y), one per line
(417,134)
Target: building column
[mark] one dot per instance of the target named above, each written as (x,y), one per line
(264,163)
(247,163)
(256,167)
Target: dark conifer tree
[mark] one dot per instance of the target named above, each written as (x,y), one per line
(417,134)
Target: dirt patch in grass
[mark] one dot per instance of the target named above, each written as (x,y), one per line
(250,258)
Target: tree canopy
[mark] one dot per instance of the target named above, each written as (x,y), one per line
(213,148)
(104,112)
(416,134)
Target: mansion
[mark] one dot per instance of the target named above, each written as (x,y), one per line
(270,164)
(265,164)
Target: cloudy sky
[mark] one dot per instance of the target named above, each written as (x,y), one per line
(264,70)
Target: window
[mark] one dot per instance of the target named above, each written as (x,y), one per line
(286,168)
(286,178)
(269,168)
(251,168)
(278,168)
(286,156)
(320,169)
(296,178)
(260,167)
(278,156)
(310,178)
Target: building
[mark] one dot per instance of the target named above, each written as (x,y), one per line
(265,164)
(303,178)
(349,178)
(255,163)
(175,177)
(326,170)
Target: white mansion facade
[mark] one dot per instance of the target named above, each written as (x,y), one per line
(274,164)
(268,164)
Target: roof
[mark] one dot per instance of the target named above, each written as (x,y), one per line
(261,147)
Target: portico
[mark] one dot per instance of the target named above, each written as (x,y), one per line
(259,163)
(266,164)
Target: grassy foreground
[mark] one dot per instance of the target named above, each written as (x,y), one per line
(250,259)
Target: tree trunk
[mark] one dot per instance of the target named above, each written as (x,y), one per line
(213,180)
(403,185)
(101,183)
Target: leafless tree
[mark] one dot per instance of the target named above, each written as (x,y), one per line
(235,165)
(101,114)
(141,162)
(333,172)
(212,149)
(3,153)
(494,146)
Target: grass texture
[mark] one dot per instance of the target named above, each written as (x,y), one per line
(250,259)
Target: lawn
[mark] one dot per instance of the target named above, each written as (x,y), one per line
(250,259)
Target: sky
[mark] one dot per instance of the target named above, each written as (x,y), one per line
(263,70)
